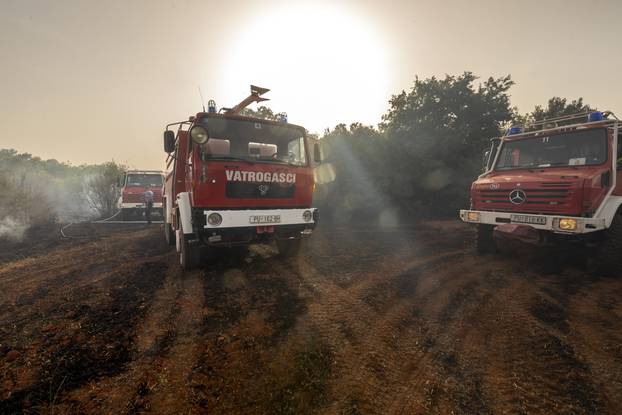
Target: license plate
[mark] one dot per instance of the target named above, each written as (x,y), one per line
(265,219)
(534,220)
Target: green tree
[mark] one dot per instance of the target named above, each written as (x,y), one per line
(354,161)
(261,112)
(101,192)
(436,134)
(557,107)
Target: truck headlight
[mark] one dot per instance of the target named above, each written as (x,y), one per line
(214,219)
(307,215)
(567,224)
(199,134)
(473,216)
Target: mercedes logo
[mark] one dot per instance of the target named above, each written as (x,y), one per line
(518,197)
(263,189)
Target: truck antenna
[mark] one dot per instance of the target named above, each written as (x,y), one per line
(201,95)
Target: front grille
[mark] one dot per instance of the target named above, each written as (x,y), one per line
(133,198)
(242,190)
(550,198)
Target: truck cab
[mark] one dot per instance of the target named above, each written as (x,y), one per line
(132,187)
(559,177)
(237,180)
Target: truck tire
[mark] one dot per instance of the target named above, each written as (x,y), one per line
(190,256)
(484,242)
(169,234)
(288,247)
(610,251)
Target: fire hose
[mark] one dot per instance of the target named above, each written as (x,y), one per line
(65,236)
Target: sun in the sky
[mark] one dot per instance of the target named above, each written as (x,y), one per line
(326,62)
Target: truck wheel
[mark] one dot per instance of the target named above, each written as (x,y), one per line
(484,243)
(609,256)
(169,235)
(288,247)
(190,256)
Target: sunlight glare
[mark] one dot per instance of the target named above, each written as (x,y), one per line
(323,64)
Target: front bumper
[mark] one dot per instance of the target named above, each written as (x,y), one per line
(258,218)
(139,206)
(549,223)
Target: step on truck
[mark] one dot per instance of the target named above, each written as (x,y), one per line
(236,180)
(556,180)
(132,187)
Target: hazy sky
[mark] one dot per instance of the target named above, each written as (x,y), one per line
(89,81)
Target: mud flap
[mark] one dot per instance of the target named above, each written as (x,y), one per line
(515,236)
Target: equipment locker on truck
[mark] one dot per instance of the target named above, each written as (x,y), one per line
(554,180)
(237,180)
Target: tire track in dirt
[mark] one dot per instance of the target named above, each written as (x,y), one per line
(251,305)
(530,366)
(363,322)
(427,346)
(379,304)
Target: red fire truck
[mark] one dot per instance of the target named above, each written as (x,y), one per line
(557,179)
(237,180)
(133,186)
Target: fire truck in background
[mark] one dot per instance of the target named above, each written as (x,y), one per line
(237,180)
(133,185)
(555,180)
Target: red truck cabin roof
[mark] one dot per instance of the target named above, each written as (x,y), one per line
(207,115)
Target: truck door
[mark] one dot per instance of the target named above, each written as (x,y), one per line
(181,157)
(618,190)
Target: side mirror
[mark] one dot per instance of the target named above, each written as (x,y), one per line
(317,154)
(485,160)
(169,141)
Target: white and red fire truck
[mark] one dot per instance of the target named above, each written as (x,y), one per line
(133,186)
(237,180)
(555,180)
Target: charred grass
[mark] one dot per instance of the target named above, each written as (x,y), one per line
(77,340)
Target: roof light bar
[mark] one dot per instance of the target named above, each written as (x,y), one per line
(595,116)
(211,106)
(515,130)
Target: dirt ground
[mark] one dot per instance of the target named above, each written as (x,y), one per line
(376,321)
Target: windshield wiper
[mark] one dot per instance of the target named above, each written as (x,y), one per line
(273,160)
(248,160)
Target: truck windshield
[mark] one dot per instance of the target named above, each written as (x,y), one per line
(254,142)
(577,148)
(142,180)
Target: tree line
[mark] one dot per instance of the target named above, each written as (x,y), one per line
(422,158)
(36,192)
(418,162)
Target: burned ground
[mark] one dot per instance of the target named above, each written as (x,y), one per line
(365,321)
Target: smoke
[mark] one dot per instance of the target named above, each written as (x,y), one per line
(37,192)
(12,229)
(437,179)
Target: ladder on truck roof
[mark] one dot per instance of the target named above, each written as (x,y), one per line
(570,122)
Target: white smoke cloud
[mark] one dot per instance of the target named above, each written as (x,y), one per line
(13,229)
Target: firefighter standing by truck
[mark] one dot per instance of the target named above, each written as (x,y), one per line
(148,196)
